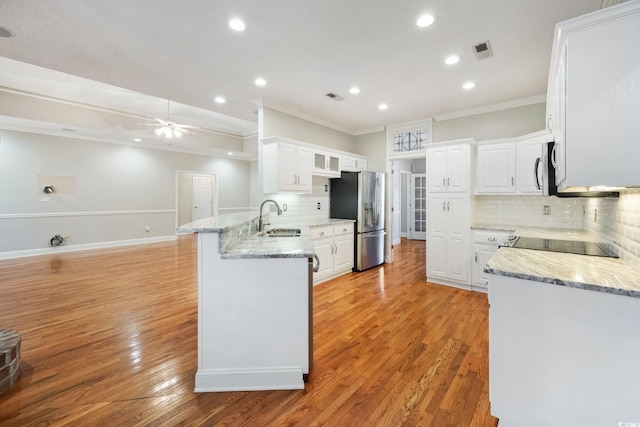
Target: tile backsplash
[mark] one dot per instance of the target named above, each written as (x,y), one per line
(527,211)
(302,208)
(617,221)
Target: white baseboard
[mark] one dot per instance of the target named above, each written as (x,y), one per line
(84,247)
(249,379)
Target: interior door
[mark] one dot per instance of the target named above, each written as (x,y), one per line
(202,196)
(418,223)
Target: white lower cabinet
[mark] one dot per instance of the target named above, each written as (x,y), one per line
(333,244)
(562,356)
(485,245)
(448,239)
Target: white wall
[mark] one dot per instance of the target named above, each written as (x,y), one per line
(373,145)
(277,123)
(302,209)
(496,124)
(527,211)
(617,221)
(119,190)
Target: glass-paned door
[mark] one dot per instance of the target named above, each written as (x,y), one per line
(418,224)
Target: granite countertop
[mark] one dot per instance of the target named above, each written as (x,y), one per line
(261,246)
(239,237)
(541,232)
(602,274)
(331,221)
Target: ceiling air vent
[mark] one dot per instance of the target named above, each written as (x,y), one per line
(483,50)
(335,97)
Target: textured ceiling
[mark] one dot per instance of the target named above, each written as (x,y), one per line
(185,51)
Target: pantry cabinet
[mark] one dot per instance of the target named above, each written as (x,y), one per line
(449,168)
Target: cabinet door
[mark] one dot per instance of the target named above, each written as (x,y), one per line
(481,256)
(436,169)
(287,170)
(343,252)
(303,161)
(496,168)
(457,226)
(457,168)
(436,243)
(528,179)
(559,118)
(324,250)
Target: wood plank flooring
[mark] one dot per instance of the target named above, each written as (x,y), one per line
(109,338)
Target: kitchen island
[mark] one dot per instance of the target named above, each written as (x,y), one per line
(254,306)
(564,339)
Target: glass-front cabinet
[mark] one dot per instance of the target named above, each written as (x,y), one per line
(326,164)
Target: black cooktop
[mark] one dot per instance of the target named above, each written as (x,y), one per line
(568,246)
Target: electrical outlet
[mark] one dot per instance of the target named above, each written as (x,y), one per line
(318,205)
(284,207)
(326,188)
(546,210)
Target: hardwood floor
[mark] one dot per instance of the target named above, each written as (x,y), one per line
(109,338)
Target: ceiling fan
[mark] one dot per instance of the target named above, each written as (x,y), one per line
(170,129)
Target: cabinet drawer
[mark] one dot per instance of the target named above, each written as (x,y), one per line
(342,229)
(321,232)
(489,237)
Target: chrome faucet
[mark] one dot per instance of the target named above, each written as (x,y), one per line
(260,223)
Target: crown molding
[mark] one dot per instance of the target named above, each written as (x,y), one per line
(536,99)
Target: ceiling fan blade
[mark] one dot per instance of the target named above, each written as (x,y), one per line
(186,126)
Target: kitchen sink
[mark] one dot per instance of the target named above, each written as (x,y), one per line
(283,232)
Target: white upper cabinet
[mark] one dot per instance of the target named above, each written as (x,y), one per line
(511,166)
(496,167)
(353,164)
(528,169)
(286,166)
(326,164)
(448,168)
(593,102)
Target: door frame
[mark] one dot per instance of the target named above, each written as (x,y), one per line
(405,209)
(413,234)
(216,193)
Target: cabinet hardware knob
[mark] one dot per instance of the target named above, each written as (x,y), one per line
(322,233)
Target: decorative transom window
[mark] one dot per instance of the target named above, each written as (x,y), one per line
(410,141)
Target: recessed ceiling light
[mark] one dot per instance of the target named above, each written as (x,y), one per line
(229,153)
(4,32)
(237,24)
(383,107)
(137,140)
(354,90)
(452,59)
(220,99)
(468,85)
(260,81)
(425,20)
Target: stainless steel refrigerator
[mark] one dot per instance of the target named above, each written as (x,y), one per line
(360,196)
